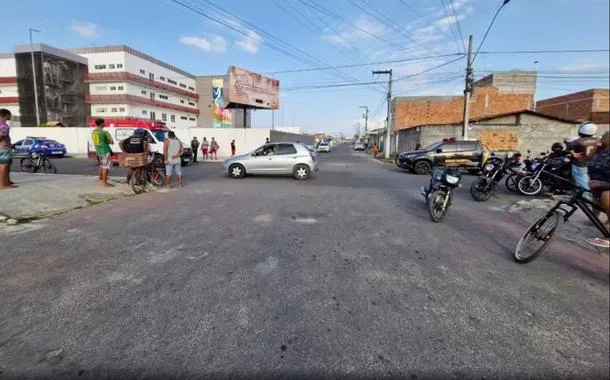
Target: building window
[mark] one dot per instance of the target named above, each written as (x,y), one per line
(142,71)
(171,81)
(191,88)
(101,88)
(163,97)
(112,88)
(152,96)
(182,101)
(122,109)
(164,117)
(182,85)
(192,119)
(111,66)
(143,92)
(173,118)
(153,116)
(183,118)
(119,65)
(151,76)
(144,112)
(100,110)
(114,110)
(162,79)
(191,104)
(120,88)
(100,67)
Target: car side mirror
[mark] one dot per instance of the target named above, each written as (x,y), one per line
(439,150)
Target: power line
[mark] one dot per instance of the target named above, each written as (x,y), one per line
(427,70)
(547,51)
(404,2)
(451,26)
(367,64)
(457,23)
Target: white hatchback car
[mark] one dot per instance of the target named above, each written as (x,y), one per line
(282,158)
(324,147)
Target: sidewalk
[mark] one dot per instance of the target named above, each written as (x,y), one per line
(42,195)
(575,230)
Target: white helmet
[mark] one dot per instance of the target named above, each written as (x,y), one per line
(570,139)
(587,129)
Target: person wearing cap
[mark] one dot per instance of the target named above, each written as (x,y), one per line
(134,144)
(582,151)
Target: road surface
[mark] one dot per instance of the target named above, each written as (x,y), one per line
(343,274)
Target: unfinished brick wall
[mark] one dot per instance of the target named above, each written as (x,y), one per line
(497,139)
(441,110)
(585,105)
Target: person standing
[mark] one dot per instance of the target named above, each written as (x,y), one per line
(583,149)
(418,145)
(214,149)
(205,148)
(267,141)
(232,148)
(195,148)
(135,144)
(102,141)
(172,151)
(599,172)
(6,157)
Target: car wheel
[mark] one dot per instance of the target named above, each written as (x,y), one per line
(237,171)
(421,167)
(301,172)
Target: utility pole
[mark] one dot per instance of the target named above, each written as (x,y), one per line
(388,123)
(467,90)
(34,76)
(366,118)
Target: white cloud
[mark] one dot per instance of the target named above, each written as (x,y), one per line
(251,42)
(363,29)
(84,29)
(584,67)
(215,45)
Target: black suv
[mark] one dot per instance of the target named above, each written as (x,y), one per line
(448,153)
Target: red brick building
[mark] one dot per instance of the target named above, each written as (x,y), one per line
(590,105)
(495,94)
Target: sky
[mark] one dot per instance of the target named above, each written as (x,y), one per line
(417,39)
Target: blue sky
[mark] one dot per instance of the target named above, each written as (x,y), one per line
(342,32)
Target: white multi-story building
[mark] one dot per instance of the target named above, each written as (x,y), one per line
(126,83)
(9,96)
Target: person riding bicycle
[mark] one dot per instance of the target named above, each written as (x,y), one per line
(135,144)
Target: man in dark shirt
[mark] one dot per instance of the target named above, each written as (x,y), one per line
(136,143)
(195,148)
(583,149)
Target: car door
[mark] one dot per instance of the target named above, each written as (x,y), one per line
(17,147)
(445,154)
(27,146)
(284,159)
(261,161)
(468,153)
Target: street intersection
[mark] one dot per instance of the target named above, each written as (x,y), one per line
(343,274)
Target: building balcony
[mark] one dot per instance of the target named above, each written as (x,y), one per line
(9,100)
(132,99)
(133,78)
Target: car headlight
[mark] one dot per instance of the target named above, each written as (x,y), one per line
(489,167)
(452,179)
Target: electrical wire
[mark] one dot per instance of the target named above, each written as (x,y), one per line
(457,24)
(404,2)
(547,51)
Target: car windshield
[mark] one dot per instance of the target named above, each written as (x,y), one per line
(51,142)
(433,146)
(160,135)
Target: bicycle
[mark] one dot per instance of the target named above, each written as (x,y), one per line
(152,172)
(543,229)
(33,162)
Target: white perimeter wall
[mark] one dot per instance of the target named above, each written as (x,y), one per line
(75,139)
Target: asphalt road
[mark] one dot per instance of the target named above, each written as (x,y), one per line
(342,275)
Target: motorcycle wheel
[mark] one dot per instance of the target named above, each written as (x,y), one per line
(480,190)
(435,206)
(512,182)
(528,186)
(157,177)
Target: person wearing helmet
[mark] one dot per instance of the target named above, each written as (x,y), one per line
(136,143)
(557,151)
(582,151)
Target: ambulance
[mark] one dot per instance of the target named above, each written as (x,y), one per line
(120,129)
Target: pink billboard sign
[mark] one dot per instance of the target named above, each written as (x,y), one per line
(245,89)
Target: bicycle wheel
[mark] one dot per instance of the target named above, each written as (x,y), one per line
(48,167)
(512,182)
(27,165)
(540,231)
(138,180)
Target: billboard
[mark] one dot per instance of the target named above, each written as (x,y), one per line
(246,89)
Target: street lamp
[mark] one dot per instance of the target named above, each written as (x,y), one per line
(489,27)
(34,75)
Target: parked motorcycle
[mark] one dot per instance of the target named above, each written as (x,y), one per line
(554,173)
(528,167)
(439,193)
(495,168)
